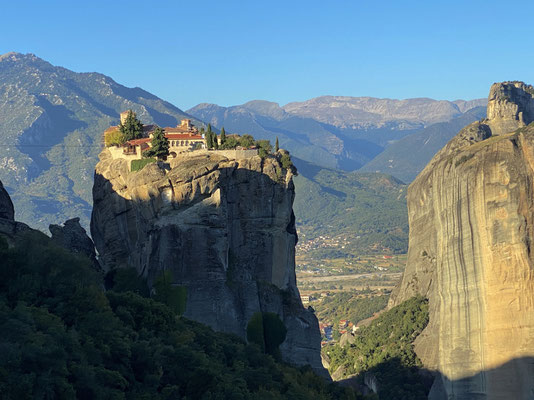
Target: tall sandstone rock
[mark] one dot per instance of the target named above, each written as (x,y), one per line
(224,228)
(471,214)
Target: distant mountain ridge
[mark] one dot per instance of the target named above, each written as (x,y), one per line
(406,157)
(338,131)
(370,112)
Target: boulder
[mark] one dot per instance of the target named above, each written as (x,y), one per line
(73,237)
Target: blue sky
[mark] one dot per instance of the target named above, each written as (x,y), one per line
(230,52)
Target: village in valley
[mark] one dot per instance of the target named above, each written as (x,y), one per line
(346,291)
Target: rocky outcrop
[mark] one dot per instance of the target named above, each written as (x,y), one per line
(471,214)
(6,206)
(225,229)
(9,228)
(73,237)
(510,106)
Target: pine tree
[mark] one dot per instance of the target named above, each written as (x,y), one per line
(160,145)
(276,146)
(223,136)
(132,128)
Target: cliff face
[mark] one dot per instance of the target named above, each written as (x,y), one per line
(471,215)
(9,228)
(6,206)
(224,228)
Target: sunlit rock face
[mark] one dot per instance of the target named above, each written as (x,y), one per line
(471,214)
(225,229)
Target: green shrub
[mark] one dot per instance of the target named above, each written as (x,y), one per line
(267,331)
(255,330)
(463,159)
(264,148)
(274,332)
(246,141)
(229,144)
(286,162)
(175,297)
(126,280)
(138,165)
(114,138)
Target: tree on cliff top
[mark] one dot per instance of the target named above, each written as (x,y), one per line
(211,139)
(132,127)
(160,145)
(223,136)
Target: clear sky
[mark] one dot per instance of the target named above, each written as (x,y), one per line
(229,52)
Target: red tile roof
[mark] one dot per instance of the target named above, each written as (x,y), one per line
(177,129)
(136,142)
(177,136)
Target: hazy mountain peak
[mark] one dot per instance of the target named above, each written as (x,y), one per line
(365,112)
(266,108)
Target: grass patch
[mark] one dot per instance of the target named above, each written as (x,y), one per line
(138,165)
(490,140)
(464,158)
(114,138)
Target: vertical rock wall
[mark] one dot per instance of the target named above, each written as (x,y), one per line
(471,214)
(224,228)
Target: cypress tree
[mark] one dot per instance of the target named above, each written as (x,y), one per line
(276,146)
(223,136)
(160,145)
(132,128)
(209,137)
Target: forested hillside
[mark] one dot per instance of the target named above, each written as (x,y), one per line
(63,336)
(384,351)
(405,158)
(367,209)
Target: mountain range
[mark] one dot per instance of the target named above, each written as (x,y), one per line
(344,132)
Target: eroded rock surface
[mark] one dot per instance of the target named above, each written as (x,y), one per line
(224,228)
(73,237)
(471,214)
